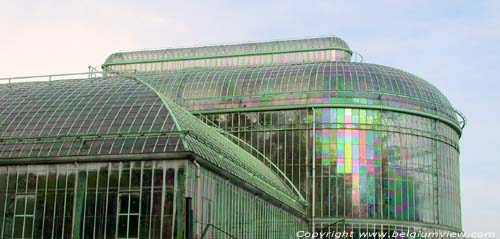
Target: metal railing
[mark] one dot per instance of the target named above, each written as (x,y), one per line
(356,57)
(463,120)
(92,73)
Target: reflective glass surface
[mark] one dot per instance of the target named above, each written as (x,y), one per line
(364,171)
(105,116)
(359,141)
(368,163)
(303,85)
(246,54)
(238,212)
(94,200)
(117,116)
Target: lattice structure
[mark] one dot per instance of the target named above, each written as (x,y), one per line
(254,140)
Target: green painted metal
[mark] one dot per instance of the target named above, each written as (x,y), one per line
(53,190)
(89,136)
(227,202)
(222,152)
(111,63)
(374,127)
(131,119)
(326,105)
(49,77)
(79,205)
(254,151)
(99,132)
(205,231)
(243,49)
(97,158)
(83,117)
(335,83)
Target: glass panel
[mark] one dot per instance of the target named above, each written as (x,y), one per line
(133,226)
(20,204)
(134,202)
(124,199)
(18,227)
(28,227)
(122,226)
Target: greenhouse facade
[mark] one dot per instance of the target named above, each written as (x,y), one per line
(253,140)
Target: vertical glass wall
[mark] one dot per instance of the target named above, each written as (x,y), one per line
(92,200)
(283,136)
(369,163)
(229,211)
(380,164)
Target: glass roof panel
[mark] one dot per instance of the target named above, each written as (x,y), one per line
(118,116)
(279,52)
(302,84)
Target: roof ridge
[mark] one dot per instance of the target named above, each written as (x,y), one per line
(225,153)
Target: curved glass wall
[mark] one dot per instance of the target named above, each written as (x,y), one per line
(365,168)
(370,164)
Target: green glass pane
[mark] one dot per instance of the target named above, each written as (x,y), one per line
(20,204)
(134,202)
(133,226)
(124,203)
(122,226)
(18,227)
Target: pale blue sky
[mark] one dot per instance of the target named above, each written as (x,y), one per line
(452,44)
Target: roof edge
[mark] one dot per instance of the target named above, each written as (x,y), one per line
(168,104)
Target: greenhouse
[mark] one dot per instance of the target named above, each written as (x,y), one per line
(251,140)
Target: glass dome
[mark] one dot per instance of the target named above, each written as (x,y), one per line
(328,83)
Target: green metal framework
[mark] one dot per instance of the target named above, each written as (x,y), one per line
(287,130)
(247,54)
(228,156)
(228,50)
(88,200)
(117,116)
(336,84)
(227,211)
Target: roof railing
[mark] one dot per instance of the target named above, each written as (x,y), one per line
(356,57)
(52,77)
(92,73)
(463,120)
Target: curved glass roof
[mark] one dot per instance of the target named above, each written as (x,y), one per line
(328,83)
(227,50)
(80,107)
(116,116)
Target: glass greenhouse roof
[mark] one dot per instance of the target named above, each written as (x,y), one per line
(342,84)
(118,116)
(224,51)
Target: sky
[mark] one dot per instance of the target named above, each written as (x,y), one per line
(452,44)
